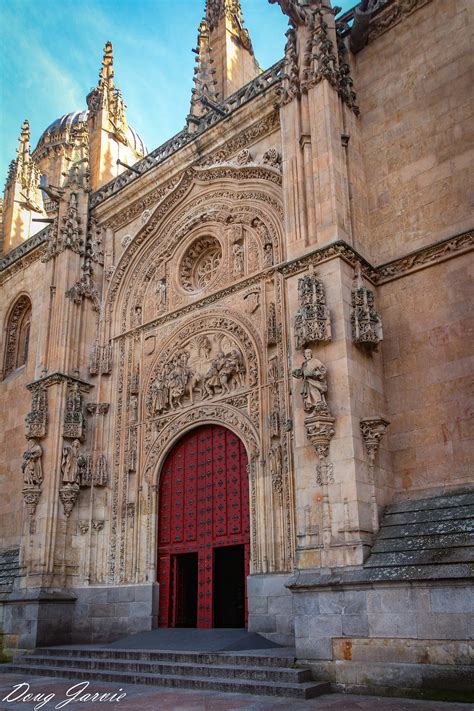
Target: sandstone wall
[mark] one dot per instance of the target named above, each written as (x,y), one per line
(15,403)
(414,90)
(428,376)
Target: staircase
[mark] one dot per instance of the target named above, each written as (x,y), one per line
(245,673)
(427,534)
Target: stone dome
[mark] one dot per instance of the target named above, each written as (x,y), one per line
(54,134)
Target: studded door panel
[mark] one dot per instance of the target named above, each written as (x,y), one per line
(203,504)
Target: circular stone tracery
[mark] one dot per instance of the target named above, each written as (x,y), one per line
(200,264)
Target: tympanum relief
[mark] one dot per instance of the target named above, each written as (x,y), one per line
(207,366)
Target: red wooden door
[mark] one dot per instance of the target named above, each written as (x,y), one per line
(203,505)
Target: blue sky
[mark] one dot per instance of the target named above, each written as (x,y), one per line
(51,52)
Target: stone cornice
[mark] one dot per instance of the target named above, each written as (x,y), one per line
(57,377)
(425,256)
(385,14)
(25,254)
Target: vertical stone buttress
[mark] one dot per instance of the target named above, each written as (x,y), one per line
(319,121)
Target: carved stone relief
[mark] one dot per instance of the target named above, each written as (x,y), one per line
(319,422)
(32,475)
(312,320)
(366,322)
(37,419)
(373,429)
(203,361)
(100,360)
(74,426)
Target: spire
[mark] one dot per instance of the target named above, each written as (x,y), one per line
(106,76)
(225,58)
(205,85)
(22,198)
(25,172)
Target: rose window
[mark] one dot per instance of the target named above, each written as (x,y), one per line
(200,264)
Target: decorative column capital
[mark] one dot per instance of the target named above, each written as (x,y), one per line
(373,429)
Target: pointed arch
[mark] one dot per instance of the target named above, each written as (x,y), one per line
(17,335)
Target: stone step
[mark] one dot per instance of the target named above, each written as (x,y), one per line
(420,557)
(303,690)
(156,655)
(448,540)
(438,502)
(427,528)
(448,514)
(419,572)
(254,673)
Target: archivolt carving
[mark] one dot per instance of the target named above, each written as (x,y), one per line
(210,356)
(232,202)
(225,415)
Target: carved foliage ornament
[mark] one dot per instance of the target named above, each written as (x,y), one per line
(319,54)
(365,321)
(312,320)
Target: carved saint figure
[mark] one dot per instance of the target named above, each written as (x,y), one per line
(160,293)
(238,253)
(268,254)
(137,317)
(133,408)
(159,395)
(314,387)
(31,467)
(70,463)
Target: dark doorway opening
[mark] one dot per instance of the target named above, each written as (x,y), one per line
(185,589)
(229,586)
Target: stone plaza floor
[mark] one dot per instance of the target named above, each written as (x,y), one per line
(53,693)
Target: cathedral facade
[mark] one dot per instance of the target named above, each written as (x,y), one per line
(235,369)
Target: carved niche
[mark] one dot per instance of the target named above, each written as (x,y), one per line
(366,322)
(204,361)
(312,320)
(37,419)
(74,426)
(100,360)
(32,475)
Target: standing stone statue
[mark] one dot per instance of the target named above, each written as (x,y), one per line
(238,252)
(314,386)
(70,462)
(160,293)
(31,467)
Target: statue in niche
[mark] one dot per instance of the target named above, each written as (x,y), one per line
(70,464)
(160,293)
(31,467)
(268,254)
(314,386)
(137,317)
(238,255)
(159,395)
(275,461)
(133,408)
